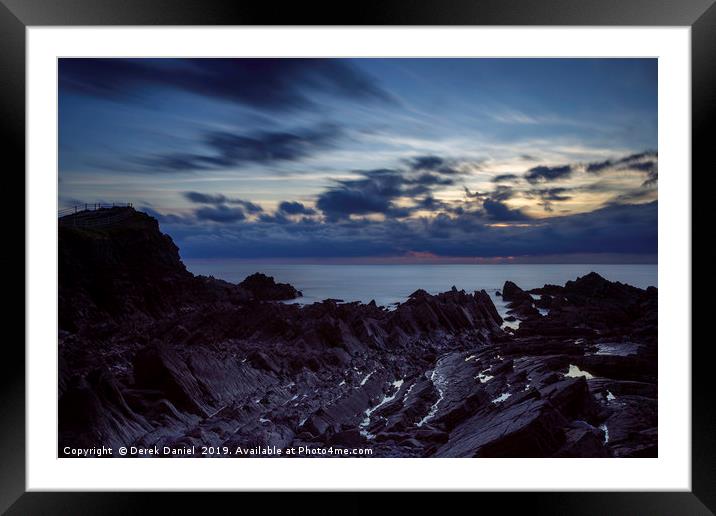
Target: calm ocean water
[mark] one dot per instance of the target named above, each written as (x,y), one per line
(387,284)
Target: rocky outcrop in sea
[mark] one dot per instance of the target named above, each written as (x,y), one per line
(152,356)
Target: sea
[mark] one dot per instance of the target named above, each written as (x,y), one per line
(391,284)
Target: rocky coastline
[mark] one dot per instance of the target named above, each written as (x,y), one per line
(152,356)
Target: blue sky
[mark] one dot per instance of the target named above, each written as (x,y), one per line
(412,159)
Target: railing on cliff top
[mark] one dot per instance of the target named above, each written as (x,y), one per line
(95,214)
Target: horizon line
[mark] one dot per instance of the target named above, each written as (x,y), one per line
(419,259)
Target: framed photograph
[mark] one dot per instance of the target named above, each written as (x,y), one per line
(441,248)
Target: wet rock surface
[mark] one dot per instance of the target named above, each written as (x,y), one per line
(151,355)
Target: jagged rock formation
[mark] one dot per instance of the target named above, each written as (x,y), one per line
(264,288)
(151,355)
(520,303)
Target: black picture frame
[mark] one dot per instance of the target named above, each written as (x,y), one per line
(17,15)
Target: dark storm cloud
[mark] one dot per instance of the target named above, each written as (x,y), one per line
(599,166)
(430,203)
(221,213)
(276,218)
(646,162)
(220,208)
(504,178)
(295,208)
(247,205)
(427,162)
(430,180)
(543,173)
(376,191)
(500,212)
(492,204)
(268,147)
(502,193)
(200,198)
(219,199)
(230,150)
(372,194)
(436,164)
(272,84)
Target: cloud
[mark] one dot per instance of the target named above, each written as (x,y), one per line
(554,194)
(276,218)
(502,193)
(220,199)
(430,203)
(372,194)
(201,198)
(646,163)
(401,193)
(499,211)
(549,195)
(436,164)
(621,229)
(492,205)
(230,150)
(247,205)
(643,162)
(651,179)
(502,178)
(640,161)
(478,196)
(268,84)
(622,177)
(220,208)
(376,191)
(427,163)
(542,173)
(632,197)
(220,213)
(295,208)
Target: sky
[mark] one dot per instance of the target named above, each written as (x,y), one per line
(403,160)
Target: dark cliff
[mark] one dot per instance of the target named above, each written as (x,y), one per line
(129,271)
(124,270)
